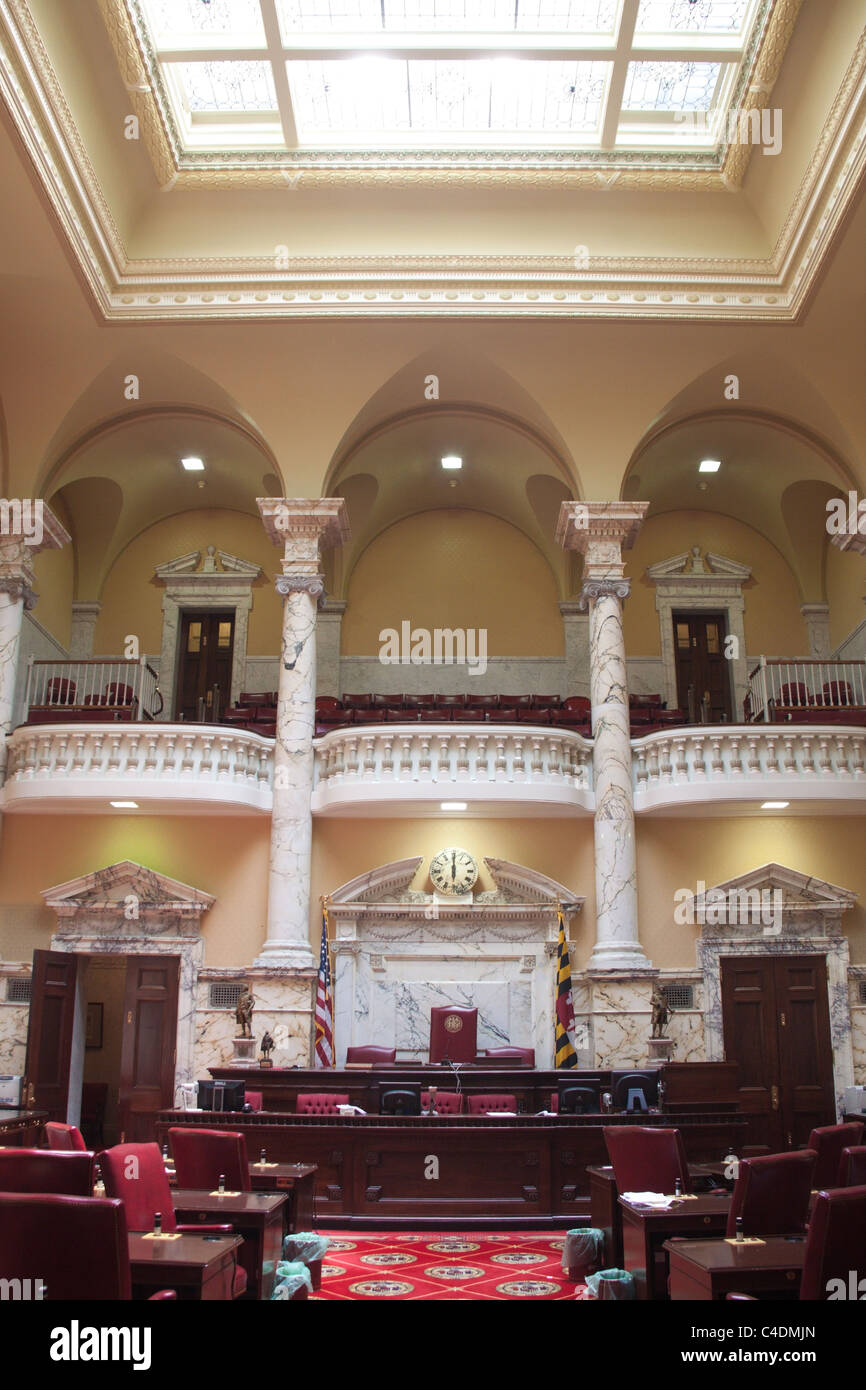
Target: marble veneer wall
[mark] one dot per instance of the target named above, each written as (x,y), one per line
(283,1007)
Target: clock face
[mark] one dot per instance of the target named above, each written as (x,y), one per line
(453,871)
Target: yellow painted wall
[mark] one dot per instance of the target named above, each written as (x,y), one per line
(845,575)
(454,569)
(132,599)
(773,623)
(224,855)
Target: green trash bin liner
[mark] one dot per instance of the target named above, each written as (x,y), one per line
(611,1284)
(290,1276)
(583,1251)
(305,1246)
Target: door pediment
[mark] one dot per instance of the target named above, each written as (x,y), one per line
(127,899)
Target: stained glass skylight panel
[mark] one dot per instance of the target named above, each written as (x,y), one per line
(182,21)
(227,87)
(670,86)
(699,17)
(446,16)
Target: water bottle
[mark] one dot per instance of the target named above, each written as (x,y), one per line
(739,1228)
(157,1223)
(678,1187)
(221,1185)
(263,1157)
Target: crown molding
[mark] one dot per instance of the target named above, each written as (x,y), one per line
(776,289)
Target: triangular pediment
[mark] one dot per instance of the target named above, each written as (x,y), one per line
(214,564)
(388,886)
(798,889)
(108,890)
(691,567)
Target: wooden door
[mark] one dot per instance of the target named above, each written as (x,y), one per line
(49,1033)
(148,1049)
(703,672)
(204,665)
(775,1020)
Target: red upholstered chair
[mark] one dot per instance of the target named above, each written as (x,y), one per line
(482,701)
(645,1159)
(837,693)
(447,1102)
(135,1174)
(77,1246)
(61,691)
(852,1169)
(828,1142)
(497,1101)
(201,1155)
(357,701)
(382,1056)
(40,1170)
(254,1099)
(320,1102)
(836,1241)
(795,693)
(64,1137)
(772,1194)
(523,1055)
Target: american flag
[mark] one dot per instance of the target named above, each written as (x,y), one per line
(324,1004)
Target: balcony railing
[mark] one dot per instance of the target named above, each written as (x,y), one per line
(147,763)
(90,692)
(749,763)
(807,692)
(416,763)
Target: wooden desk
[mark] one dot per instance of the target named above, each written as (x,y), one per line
(256,1216)
(711,1269)
(496,1171)
(198,1268)
(604,1211)
(645,1231)
(21,1128)
(297,1182)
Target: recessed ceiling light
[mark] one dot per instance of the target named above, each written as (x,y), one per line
(774,805)
(452,461)
(452,806)
(125,805)
(709,465)
(192,465)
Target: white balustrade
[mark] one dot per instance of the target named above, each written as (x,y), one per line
(504,764)
(765,762)
(780,689)
(142,762)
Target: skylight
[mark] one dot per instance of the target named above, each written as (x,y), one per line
(301,76)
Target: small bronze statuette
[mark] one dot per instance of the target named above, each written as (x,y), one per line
(660,1012)
(244,1012)
(268,1046)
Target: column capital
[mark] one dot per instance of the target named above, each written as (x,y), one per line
(582,525)
(305,526)
(295,583)
(603,588)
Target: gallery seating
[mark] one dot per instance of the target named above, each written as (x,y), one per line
(59,1136)
(201,1156)
(771,1194)
(77,1246)
(645,1159)
(852,1168)
(495,1103)
(320,1103)
(143,1188)
(42,1170)
(828,1142)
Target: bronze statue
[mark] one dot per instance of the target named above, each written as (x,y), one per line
(244,1011)
(660,1012)
(267,1046)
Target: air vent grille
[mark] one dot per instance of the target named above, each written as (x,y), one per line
(679,996)
(861,991)
(18,989)
(224,996)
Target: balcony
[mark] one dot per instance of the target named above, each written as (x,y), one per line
(807,692)
(77,692)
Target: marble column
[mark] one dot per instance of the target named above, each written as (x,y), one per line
(25,531)
(304,527)
(600,531)
(84,619)
(816,617)
(575,624)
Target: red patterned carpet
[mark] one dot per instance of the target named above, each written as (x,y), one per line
(452,1265)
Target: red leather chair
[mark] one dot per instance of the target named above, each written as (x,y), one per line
(795,693)
(64,1137)
(852,1169)
(837,693)
(524,1055)
(320,1102)
(645,1159)
(496,1102)
(447,1102)
(135,1174)
(836,1241)
(76,1245)
(61,691)
(828,1142)
(40,1170)
(254,1099)
(772,1194)
(382,1056)
(201,1155)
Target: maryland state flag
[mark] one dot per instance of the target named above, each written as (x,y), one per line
(565,1055)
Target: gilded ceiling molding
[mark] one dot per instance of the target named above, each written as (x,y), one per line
(775,289)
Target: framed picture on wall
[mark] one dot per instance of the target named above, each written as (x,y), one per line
(93,1026)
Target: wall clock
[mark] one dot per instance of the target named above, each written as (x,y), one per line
(453,871)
